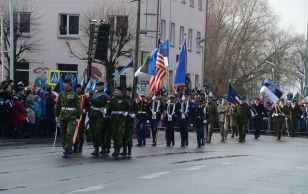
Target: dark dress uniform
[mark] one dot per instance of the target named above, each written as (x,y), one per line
(258,119)
(67,110)
(141,120)
(184,112)
(199,118)
(295,112)
(170,119)
(280,113)
(156,110)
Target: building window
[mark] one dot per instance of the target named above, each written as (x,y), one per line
(23,23)
(118,25)
(163,30)
(68,70)
(172,34)
(200,4)
(181,39)
(191,3)
(197,86)
(69,25)
(189,39)
(22,73)
(197,40)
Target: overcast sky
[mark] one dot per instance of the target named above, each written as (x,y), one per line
(292,12)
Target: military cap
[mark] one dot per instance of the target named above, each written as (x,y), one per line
(142,95)
(281,99)
(78,86)
(256,98)
(67,80)
(156,93)
(118,88)
(99,83)
(171,96)
(128,89)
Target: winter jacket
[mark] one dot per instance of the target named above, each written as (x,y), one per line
(20,113)
(37,109)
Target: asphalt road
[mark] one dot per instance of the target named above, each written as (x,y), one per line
(257,166)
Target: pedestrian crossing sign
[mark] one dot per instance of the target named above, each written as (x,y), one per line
(53,77)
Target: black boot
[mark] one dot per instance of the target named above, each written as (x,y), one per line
(241,140)
(75,150)
(116,152)
(154,143)
(96,151)
(80,148)
(103,151)
(124,153)
(129,151)
(202,142)
(66,153)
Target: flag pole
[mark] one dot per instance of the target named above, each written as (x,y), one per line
(168,81)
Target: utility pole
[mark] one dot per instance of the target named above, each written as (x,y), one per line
(136,51)
(11,40)
(306,72)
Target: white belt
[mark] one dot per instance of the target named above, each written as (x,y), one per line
(142,112)
(117,112)
(95,108)
(68,108)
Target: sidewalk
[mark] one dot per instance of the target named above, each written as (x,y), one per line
(27,141)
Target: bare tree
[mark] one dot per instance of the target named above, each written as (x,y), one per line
(27,29)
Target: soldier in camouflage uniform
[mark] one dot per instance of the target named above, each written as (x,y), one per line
(67,113)
(243,114)
(212,116)
(106,138)
(130,125)
(119,110)
(98,102)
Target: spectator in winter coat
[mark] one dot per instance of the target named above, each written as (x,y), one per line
(42,129)
(20,115)
(37,111)
(50,113)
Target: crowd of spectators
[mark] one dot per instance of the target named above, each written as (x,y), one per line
(26,112)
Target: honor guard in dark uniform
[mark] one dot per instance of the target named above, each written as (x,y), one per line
(170,118)
(185,112)
(258,119)
(119,108)
(141,119)
(130,125)
(280,114)
(67,113)
(199,118)
(212,116)
(157,109)
(295,113)
(243,114)
(98,101)
(79,143)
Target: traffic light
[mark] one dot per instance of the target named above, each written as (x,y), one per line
(99,38)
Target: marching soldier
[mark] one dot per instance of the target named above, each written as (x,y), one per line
(280,113)
(98,102)
(212,116)
(222,111)
(157,109)
(129,125)
(67,113)
(141,119)
(185,112)
(106,138)
(233,122)
(199,117)
(170,119)
(257,120)
(243,114)
(295,112)
(119,108)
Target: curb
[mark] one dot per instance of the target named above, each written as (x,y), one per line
(26,141)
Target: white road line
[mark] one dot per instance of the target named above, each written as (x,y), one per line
(227,163)
(155,175)
(260,159)
(302,168)
(89,189)
(194,168)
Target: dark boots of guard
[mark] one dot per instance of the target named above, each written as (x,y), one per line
(116,152)
(96,151)
(124,152)
(66,153)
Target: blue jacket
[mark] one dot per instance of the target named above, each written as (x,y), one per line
(43,103)
(37,109)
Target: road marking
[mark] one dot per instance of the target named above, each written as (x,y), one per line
(260,159)
(194,168)
(89,189)
(227,163)
(155,175)
(302,168)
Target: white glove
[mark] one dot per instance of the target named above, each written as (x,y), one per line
(276,115)
(302,116)
(168,102)
(87,95)
(77,120)
(183,98)
(57,120)
(191,125)
(153,113)
(148,121)
(169,116)
(183,116)
(205,121)
(154,98)
(132,115)
(84,111)
(125,114)
(105,111)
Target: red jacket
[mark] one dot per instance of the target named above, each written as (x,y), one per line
(19,111)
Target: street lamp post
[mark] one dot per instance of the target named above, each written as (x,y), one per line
(273,69)
(2,55)
(202,48)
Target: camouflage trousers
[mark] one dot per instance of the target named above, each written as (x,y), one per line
(128,132)
(117,131)
(67,128)
(208,130)
(242,127)
(96,127)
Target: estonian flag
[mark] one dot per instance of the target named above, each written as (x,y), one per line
(89,85)
(271,90)
(179,78)
(128,68)
(149,66)
(94,85)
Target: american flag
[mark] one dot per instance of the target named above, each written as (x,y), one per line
(160,72)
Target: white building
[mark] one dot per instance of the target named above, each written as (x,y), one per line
(172,19)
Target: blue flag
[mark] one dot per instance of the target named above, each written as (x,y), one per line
(179,78)
(272,87)
(94,85)
(233,96)
(82,82)
(74,81)
(59,86)
(165,49)
(106,87)
(89,85)
(149,66)
(128,68)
